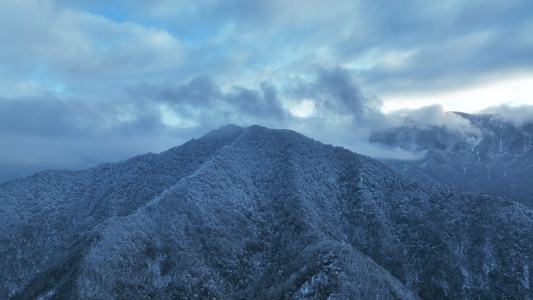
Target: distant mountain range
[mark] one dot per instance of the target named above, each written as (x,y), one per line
(496,158)
(255,213)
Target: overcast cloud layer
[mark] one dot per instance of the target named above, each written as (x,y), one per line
(85,82)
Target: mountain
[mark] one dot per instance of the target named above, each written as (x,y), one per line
(496,157)
(256,213)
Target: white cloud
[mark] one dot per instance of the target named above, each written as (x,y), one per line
(431,115)
(71,47)
(302,109)
(171,118)
(516,114)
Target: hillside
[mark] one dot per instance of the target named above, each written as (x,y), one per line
(256,213)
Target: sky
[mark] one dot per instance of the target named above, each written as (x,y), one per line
(88,82)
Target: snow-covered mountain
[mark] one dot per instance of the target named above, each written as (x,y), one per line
(495,156)
(255,213)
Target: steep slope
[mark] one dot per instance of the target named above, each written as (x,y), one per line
(254,213)
(497,158)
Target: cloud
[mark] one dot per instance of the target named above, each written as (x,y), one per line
(199,91)
(518,115)
(433,115)
(49,133)
(203,100)
(79,51)
(258,105)
(440,45)
(338,87)
(426,47)
(74,118)
(400,132)
(38,117)
(26,155)
(334,92)
(423,121)
(95,70)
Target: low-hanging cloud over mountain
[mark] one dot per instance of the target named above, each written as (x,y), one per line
(517,115)
(431,115)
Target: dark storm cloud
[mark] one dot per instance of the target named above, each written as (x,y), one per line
(200,91)
(204,99)
(335,93)
(339,87)
(257,104)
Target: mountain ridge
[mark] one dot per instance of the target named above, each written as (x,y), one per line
(257,213)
